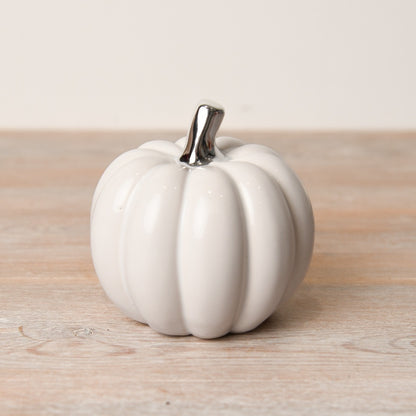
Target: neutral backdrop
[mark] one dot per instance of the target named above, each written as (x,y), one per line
(118,64)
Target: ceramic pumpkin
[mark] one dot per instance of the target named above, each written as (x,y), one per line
(203,236)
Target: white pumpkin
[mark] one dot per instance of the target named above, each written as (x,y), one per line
(203,242)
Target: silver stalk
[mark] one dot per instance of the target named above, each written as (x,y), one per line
(200,148)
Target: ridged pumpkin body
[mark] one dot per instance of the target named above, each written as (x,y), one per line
(200,250)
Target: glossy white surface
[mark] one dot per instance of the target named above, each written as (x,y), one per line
(200,250)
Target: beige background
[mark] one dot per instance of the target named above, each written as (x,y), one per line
(144,64)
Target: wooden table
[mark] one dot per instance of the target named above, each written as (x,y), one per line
(345,344)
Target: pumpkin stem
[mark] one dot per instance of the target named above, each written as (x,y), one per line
(200,148)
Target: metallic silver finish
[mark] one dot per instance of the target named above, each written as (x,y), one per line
(200,148)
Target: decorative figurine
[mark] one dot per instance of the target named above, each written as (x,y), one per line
(203,236)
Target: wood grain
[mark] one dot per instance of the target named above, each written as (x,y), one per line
(346,343)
